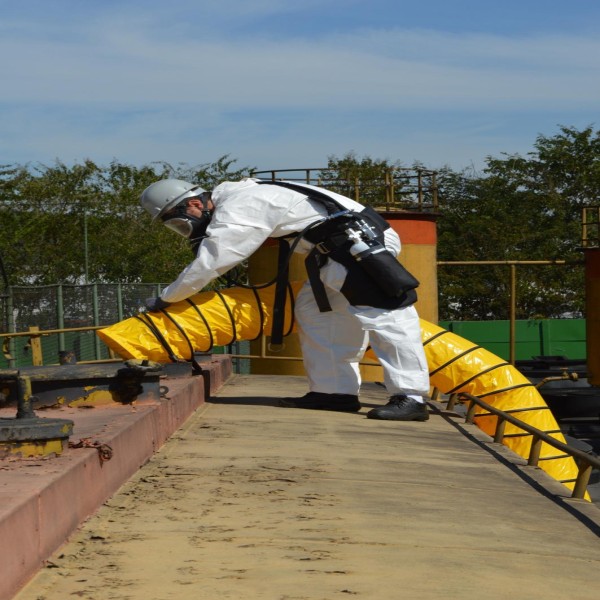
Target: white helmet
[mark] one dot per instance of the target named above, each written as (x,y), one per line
(165,194)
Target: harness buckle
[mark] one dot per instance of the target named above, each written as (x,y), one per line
(322,248)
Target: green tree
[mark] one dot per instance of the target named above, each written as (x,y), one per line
(64,224)
(40,221)
(520,208)
(361,179)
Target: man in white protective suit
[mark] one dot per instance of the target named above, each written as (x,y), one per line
(340,311)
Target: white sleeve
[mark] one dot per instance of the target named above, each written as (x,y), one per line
(392,241)
(244,218)
(227,246)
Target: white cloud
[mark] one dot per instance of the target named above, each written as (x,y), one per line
(189,81)
(405,69)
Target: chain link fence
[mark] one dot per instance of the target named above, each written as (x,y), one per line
(66,307)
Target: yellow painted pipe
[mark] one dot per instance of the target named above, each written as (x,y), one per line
(456,365)
(592,306)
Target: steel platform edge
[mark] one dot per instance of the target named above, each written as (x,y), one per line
(44,500)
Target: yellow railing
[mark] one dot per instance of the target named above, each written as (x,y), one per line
(590,234)
(512,264)
(397,188)
(585,462)
(35,334)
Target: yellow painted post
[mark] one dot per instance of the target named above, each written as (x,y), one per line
(35,342)
(512,314)
(592,302)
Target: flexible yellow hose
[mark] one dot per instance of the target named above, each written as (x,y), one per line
(456,365)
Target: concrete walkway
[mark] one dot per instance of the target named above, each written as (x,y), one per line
(249,500)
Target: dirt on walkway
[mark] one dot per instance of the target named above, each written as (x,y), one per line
(249,500)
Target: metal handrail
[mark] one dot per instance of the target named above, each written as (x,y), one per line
(590,233)
(585,462)
(512,264)
(41,332)
(35,333)
(413,182)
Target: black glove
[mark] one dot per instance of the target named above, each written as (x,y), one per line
(156,304)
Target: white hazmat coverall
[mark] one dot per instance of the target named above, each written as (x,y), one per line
(246,214)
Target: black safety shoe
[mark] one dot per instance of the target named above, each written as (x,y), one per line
(400,408)
(319,401)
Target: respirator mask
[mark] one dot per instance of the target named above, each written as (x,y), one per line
(189,226)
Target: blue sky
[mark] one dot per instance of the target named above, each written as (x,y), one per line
(286,84)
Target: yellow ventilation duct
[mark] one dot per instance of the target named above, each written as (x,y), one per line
(219,318)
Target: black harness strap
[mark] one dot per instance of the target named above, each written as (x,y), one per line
(261,315)
(195,365)
(313,265)
(331,205)
(230,315)
(146,320)
(280,293)
(292,310)
(208,329)
(376,279)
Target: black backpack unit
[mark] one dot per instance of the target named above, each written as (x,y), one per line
(355,240)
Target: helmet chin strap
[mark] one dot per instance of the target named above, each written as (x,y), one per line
(205,199)
(200,224)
